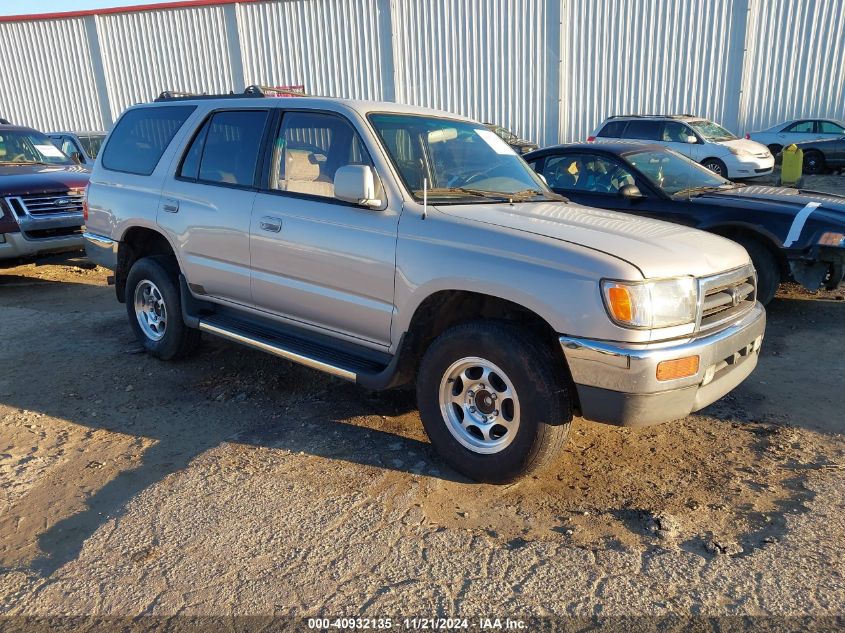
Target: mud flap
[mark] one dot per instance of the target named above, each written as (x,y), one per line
(811,275)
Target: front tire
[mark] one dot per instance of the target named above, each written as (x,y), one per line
(813,162)
(493,401)
(767,267)
(716,166)
(154,308)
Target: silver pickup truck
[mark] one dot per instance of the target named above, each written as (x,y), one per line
(388,244)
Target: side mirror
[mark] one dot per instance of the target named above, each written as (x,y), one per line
(692,140)
(631,192)
(78,158)
(357,184)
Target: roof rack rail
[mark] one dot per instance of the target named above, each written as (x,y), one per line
(250,91)
(651,116)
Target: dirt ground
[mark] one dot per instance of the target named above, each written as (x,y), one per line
(236,483)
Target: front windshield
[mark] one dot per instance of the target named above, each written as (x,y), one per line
(675,173)
(505,134)
(712,132)
(27,147)
(92,143)
(460,160)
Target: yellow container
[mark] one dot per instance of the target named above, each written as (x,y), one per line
(791,166)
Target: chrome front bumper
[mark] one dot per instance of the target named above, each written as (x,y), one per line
(617,382)
(14,245)
(101,250)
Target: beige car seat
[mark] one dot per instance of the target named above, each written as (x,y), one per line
(302,174)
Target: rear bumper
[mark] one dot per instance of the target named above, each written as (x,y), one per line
(101,250)
(617,383)
(14,245)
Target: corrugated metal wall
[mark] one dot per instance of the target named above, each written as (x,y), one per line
(551,70)
(651,56)
(146,52)
(46,75)
(481,58)
(795,62)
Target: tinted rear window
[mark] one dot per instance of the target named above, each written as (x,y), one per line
(646,130)
(141,136)
(613,129)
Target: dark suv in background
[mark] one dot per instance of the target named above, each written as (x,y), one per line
(41,195)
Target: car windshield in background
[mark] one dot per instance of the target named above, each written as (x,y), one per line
(506,135)
(459,159)
(25,147)
(712,132)
(92,143)
(675,173)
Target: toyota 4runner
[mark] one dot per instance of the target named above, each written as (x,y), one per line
(389,244)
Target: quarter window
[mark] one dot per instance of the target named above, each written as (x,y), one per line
(829,127)
(614,129)
(140,137)
(309,149)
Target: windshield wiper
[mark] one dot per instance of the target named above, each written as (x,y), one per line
(478,193)
(527,194)
(692,190)
(25,162)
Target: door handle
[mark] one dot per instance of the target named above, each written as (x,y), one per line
(270,224)
(171,206)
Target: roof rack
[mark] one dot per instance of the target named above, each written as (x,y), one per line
(652,116)
(250,91)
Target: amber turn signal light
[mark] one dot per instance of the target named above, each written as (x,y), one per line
(678,368)
(620,303)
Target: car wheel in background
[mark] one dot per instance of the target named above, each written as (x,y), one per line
(716,166)
(767,267)
(493,400)
(775,149)
(154,307)
(813,162)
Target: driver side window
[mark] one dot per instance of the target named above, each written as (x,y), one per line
(586,172)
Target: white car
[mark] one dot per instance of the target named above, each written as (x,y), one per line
(797,131)
(699,139)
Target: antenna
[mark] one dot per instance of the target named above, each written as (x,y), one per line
(425,198)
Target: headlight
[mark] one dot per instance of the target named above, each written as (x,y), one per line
(651,304)
(740,152)
(832,239)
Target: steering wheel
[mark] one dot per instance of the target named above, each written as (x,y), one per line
(19,158)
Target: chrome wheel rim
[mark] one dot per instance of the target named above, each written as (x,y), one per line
(479,405)
(150,310)
(715,168)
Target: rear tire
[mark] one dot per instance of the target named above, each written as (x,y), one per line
(154,308)
(716,166)
(813,162)
(775,149)
(493,401)
(767,267)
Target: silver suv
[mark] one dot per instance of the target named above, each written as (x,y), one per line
(388,244)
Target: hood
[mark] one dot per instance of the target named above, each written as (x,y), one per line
(782,200)
(33,179)
(748,145)
(656,248)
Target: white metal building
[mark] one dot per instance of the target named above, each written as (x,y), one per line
(548,69)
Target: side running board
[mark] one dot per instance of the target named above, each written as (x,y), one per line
(369,368)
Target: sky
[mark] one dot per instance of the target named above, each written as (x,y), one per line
(21,7)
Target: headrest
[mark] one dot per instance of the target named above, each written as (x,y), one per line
(301,164)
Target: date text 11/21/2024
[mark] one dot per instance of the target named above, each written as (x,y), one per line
(431,624)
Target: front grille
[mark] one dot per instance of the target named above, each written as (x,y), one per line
(727,296)
(760,171)
(47,204)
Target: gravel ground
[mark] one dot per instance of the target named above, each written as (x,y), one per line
(237,484)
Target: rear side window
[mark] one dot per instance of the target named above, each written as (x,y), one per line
(226,148)
(829,127)
(141,136)
(645,130)
(613,129)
